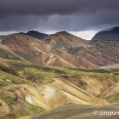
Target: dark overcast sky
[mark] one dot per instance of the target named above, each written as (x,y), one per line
(56,15)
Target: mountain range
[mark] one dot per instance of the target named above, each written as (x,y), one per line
(59,75)
(60,49)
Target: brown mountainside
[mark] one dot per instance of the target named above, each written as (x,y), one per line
(61,49)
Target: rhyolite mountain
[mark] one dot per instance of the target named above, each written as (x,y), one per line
(111,34)
(60,49)
(36,34)
(61,76)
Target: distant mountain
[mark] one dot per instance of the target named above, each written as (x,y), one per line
(66,40)
(111,34)
(60,49)
(36,34)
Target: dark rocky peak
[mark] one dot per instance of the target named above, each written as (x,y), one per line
(111,34)
(36,34)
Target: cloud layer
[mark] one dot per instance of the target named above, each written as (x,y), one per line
(70,15)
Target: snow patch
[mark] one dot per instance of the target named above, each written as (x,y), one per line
(48,93)
(29,99)
(110,29)
(8,80)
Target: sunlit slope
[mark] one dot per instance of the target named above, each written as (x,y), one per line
(26,88)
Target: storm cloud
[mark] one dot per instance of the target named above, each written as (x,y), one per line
(70,15)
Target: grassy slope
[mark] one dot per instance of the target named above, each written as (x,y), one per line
(54,71)
(17,71)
